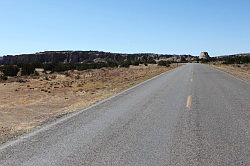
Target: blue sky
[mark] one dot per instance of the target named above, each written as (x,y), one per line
(158,26)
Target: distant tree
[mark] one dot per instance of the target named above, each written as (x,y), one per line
(81,66)
(10,70)
(49,66)
(3,77)
(111,63)
(126,64)
(28,69)
(164,63)
(38,65)
(245,59)
(136,63)
(61,67)
(151,61)
(236,60)
(100,65)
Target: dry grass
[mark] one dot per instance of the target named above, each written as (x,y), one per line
(29,104)
(242,71)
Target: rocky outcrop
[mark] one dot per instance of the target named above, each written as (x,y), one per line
(61,56)
(204,55)
(80,56)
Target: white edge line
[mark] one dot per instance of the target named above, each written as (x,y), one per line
(247,82)
(66,117)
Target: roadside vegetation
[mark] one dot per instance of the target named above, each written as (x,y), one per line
(15,70)
(238,66)
(236,60)
(226,60)
(164,63)
(31,97)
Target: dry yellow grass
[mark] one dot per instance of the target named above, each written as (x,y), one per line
(27,105)
(242,71)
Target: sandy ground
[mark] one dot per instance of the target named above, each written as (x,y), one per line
(242,71)
(29,104)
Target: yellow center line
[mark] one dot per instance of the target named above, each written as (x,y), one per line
(189,102)
(192,77)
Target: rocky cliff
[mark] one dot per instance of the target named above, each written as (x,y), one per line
(57,56)
(204,55)
(80,56)
(61,56)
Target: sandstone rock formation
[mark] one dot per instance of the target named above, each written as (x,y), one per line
(204,55)
(81,56)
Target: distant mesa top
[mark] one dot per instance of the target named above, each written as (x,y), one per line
(204,55)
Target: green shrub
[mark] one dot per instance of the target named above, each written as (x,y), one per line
(3,77)
(236,60)
(164,63)
(151,61)
(112,64)
(28,69)
(61,67)
(10,70)
(81,66)
(48,66)
(136,63)
(126,64)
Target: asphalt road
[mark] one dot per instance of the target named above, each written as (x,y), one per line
(193,115)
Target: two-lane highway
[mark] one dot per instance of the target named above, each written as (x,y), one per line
(193,115)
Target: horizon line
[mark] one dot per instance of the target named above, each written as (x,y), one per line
(116,53)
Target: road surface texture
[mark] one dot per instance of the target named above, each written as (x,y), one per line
(193,115)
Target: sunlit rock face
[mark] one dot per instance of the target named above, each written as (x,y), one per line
(204,55)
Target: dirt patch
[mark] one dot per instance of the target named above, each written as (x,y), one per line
(239,70)
(28,104)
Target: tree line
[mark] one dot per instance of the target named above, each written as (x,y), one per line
(29,69)
(236,60)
